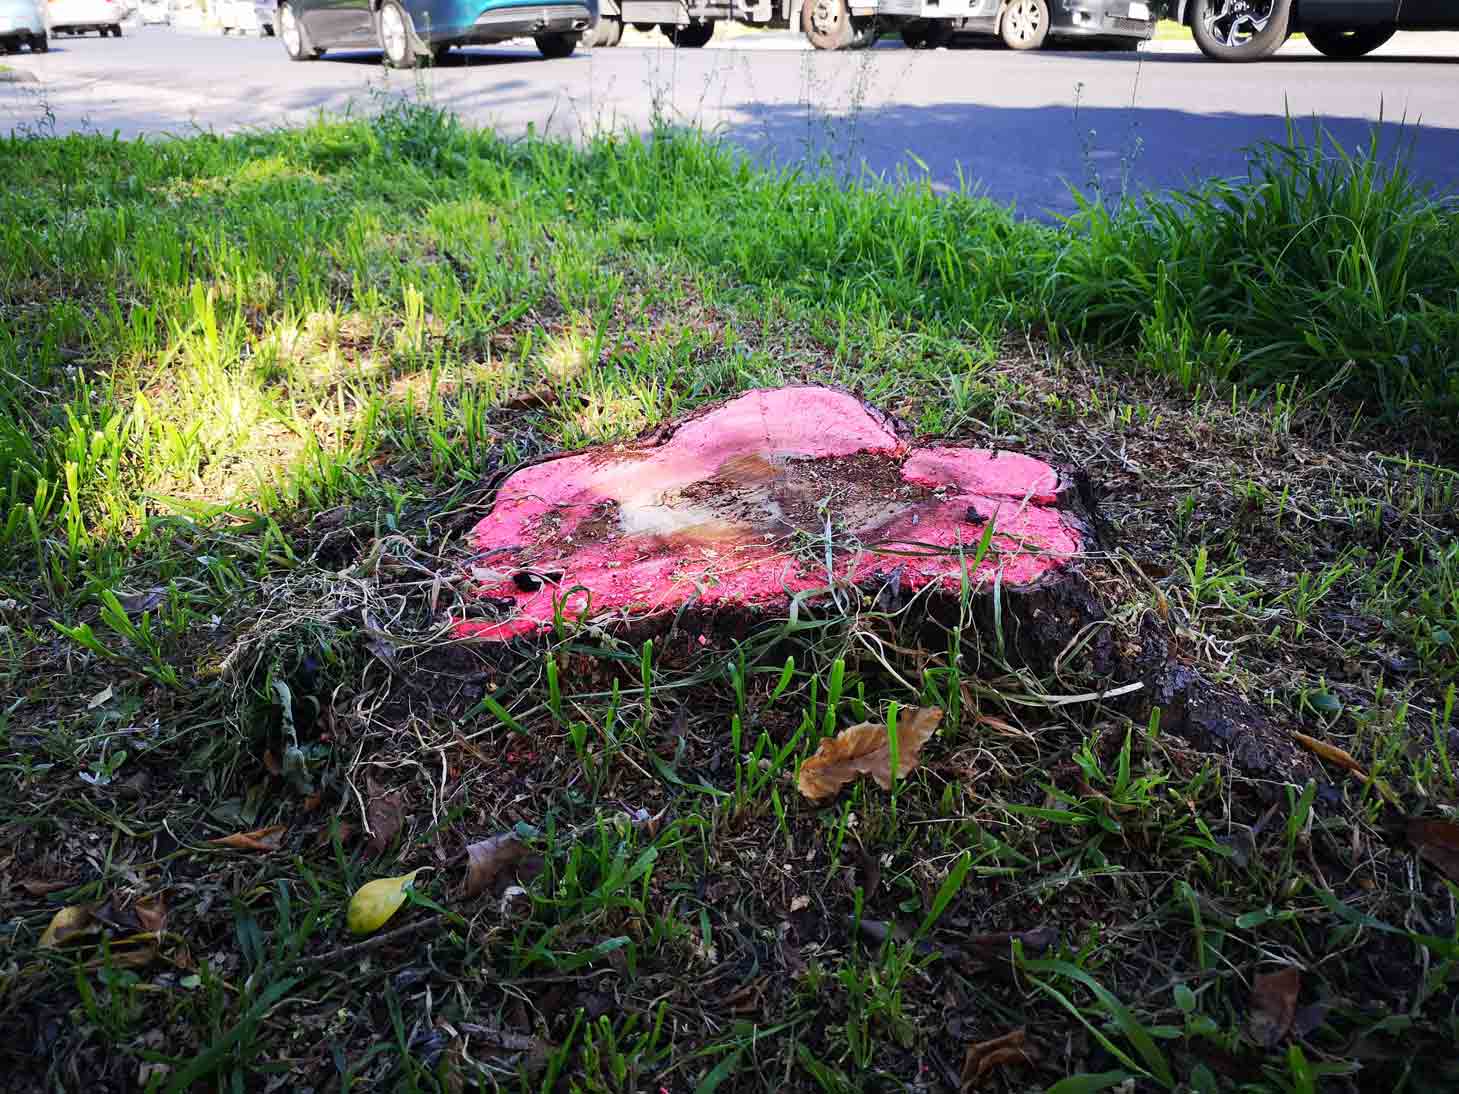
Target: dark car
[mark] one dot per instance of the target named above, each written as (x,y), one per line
(1248,30)
(1027,24)
(410,32)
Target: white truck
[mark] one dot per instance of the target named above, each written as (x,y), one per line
(852,24)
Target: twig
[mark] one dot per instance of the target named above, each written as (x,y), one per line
(348,953)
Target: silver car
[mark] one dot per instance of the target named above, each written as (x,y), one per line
(22,23)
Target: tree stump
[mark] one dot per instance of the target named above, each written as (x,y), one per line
(793,499)
(774,495)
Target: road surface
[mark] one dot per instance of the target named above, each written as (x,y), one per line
(1022,128)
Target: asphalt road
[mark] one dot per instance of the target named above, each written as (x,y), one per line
(1020,127)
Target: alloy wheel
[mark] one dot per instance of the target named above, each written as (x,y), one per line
(1024,20)
(826,16)
(1236,22)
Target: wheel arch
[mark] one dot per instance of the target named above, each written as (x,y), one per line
(1184,11)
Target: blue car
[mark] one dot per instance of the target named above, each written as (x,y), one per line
(414,32)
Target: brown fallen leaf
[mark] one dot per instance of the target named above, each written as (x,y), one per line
(981,1058)
(69,923)
(1344,759)
(383,817)
(1273,1005)
(124,959)
(45,888)
(1438,842)
(866,749)
(534,398)
(151,913)
(260,839)
(489,857)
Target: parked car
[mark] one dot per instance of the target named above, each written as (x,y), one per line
(1023,24)
(78,16)
(154,12)
(1249,30)
(22,23)
(411,32)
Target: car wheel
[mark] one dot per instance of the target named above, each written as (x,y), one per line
(692,36)
(1025,24)
(1240,30)
(556,46)
(397,37)
(296,38)
(116,30)
(827,24)
(608,32)
(1347,44)
(40,44)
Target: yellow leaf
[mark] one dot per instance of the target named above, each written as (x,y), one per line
(376,901)
(261,839)
(66,924)
(866,749)
(1344,759)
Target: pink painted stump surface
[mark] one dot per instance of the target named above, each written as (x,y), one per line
(729,508)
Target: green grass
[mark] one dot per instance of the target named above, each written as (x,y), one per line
(253,390)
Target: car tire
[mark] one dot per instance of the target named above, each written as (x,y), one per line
(396,34)
(1024,24)
(41,43)
(556,46)
(691,36)
(295,35)
(1345,45)
(1226,30)
(608,33)
(827,24)
(116,30)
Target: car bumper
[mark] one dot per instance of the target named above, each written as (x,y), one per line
(1096,19)
(496,24)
